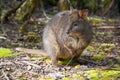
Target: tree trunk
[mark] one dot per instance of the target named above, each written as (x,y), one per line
(63,5)
(12,11)
(107,8)
(26,10)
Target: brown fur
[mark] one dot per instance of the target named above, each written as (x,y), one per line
(65,36)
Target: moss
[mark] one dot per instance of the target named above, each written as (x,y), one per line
(67,79)
(117,66)
(93,75)
(66,62)
(32,37)
(112,20)
(90,48)
(103,75)
(77,66)
(48,79)
(96,21)
(47,60)
(118,59)
(99,34)
(98,57)
(101,53)
(5,52)
(24,79)
(107,47)
(77,76)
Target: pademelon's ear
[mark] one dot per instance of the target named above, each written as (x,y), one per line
(72,11)
(83,14)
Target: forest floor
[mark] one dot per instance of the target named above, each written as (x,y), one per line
(99,61)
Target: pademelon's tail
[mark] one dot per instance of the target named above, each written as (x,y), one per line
(32,51)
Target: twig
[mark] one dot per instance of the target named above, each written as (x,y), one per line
(42,8)
(5,75)
(32,64)
(69,61)
(89,61)
(109,67)
(5,63)
(34,73)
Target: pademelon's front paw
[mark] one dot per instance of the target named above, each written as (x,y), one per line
(58,65)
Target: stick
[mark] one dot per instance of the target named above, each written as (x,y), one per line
(32,64)
(5,75)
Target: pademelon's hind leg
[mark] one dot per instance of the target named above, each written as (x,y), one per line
(55,62)
(52,48)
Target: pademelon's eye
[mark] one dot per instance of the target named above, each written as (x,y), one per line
(75,24)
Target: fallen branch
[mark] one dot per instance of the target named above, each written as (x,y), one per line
(89,61)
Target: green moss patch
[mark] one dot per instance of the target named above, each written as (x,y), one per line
(97,21)
(95,75)
(5,52)
(91,48)
(103,75)
(98,57)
